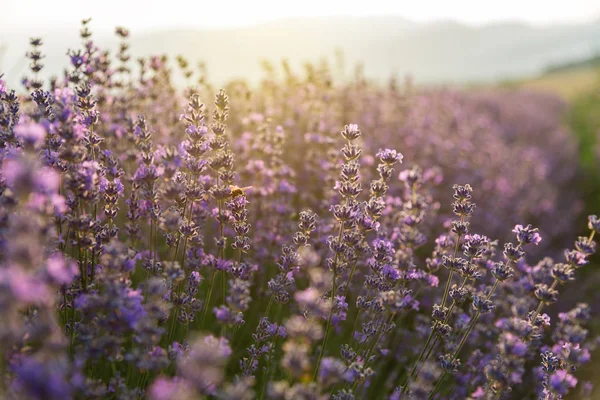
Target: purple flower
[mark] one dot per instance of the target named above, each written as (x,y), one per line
(115,186)
(132,310)
(171,388)
(47,181)
(31,134)
(561,381)
(527,234)
(46,379)
(594,223)
(331,371)
(61,270)
(351,132)
(389,156)
(24,287)
(100,293)
(222,313)
(307,298)
(511,345)
(203,366)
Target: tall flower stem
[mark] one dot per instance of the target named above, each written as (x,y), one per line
(208,296)
(333,288)
(446,291)
(463,340)
(437,339)
(378,336)
(450,275)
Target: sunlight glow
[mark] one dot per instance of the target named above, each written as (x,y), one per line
(155,14)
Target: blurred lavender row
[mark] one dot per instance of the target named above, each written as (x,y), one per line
(303,239)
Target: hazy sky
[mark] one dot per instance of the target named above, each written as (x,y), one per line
(139,15)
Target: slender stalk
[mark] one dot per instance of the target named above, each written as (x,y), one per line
(172,328)
(223,285)
(327,329)
(371,347)
(356,321)
(155,244)
(2,371)
(267,371)
(458,349)
(352,271)
(269,306)
(416,368)
(333,288)
(437,385)
(174,256)
(449,281)
(463,340)
(208,296)
(437,339)
(378,336)
(64,290)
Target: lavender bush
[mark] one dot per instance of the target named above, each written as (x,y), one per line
(156,246)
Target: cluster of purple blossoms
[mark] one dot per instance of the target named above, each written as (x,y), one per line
(229,251)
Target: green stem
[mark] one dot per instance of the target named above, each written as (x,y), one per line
(449,281)
(437,385)
(414,370)
(223,284)
(172,328)
(208,296)
(541,303)
(269,305)
(464,339)
(352,271)
(328,326)
(437,339)
(356,321)
(378,337)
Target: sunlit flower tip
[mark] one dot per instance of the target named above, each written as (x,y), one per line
(527,235)
(351,132)
(462,192)
(594,223)
(389,156)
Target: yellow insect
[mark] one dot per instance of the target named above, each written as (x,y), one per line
(239,191)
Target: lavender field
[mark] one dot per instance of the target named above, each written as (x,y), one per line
(304,237)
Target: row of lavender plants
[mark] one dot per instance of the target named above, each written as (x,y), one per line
(154,246)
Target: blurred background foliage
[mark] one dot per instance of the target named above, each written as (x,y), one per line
(579,85)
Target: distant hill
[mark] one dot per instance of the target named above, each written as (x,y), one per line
(588,62)
(440,52)
(568,84)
